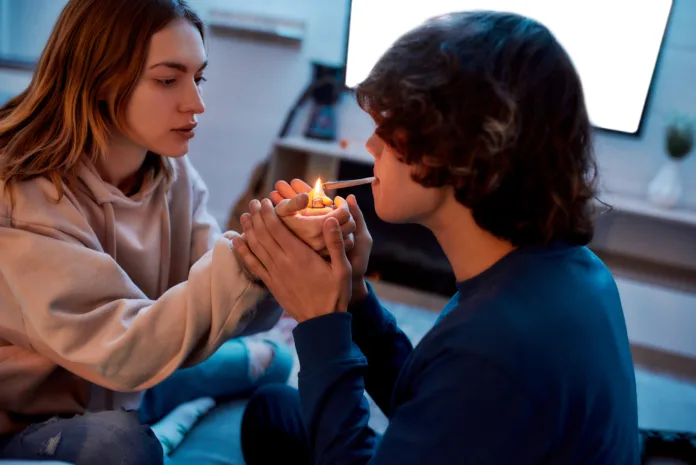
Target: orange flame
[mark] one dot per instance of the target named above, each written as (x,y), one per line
(317,197)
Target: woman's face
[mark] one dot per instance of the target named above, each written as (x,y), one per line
(162,111)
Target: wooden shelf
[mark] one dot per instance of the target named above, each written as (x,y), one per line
(642,207)
(619,202)
(353,152)
(285,28)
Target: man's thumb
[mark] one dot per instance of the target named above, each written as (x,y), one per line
(334,243)
(292,205)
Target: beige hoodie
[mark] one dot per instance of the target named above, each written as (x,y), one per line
(103,295)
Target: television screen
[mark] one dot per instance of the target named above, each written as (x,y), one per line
(613,43)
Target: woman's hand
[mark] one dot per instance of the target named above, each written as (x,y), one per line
(359,255)
(303,283)
(283,190)
(308,224)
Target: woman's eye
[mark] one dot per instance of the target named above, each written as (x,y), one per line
(200,80)
(166,82)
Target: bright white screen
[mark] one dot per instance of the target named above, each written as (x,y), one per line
(614,44)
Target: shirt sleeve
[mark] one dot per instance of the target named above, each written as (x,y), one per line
(385,346)
(460,409)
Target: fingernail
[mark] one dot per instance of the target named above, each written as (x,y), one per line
(265,203)
(255,205)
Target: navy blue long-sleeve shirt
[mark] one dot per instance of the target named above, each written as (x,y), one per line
(529,363)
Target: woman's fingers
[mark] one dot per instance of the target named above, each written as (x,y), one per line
(275,197)
(300,186)
(285,190)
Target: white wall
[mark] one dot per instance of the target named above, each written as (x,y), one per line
(4,27)
(26,25)
(325,21)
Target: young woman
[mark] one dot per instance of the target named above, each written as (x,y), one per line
(112,273)
(482,137)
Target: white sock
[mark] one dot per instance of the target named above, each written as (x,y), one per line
(261,355)
(171,429)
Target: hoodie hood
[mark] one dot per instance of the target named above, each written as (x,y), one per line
(149,205)
(102,192)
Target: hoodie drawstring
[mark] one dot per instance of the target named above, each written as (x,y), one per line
(110,246)
(109,225)
(165,243)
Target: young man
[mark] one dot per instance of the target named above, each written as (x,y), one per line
(483,137)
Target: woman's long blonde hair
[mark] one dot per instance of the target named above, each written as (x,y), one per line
(81,86)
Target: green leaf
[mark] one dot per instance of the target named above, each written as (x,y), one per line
(679,140)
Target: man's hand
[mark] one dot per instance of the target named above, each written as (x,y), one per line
(359,255)
(243,266)
(303,283)
(308,225)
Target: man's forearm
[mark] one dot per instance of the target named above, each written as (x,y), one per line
(331,387)
(385,346)
(360,291)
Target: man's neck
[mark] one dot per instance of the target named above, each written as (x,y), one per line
(470,249)
(121,165)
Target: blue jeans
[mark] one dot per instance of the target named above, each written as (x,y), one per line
(120,437)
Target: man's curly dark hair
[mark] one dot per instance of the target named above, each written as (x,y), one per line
(491,104)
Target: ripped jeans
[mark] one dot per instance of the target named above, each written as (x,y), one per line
(125,437)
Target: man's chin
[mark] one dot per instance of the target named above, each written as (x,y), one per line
(396,216)
(388,215)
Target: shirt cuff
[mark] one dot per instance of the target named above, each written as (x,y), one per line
(324,339)
(367,304)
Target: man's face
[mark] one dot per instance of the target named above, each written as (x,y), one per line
(398,198)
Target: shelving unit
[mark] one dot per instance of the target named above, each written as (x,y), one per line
(642,207)
(308,159)
(298,156)
(275,27)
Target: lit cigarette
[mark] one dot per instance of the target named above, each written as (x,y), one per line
(331,185)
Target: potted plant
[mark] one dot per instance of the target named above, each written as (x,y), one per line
(666,187)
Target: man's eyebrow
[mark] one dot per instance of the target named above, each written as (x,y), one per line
(178,66)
